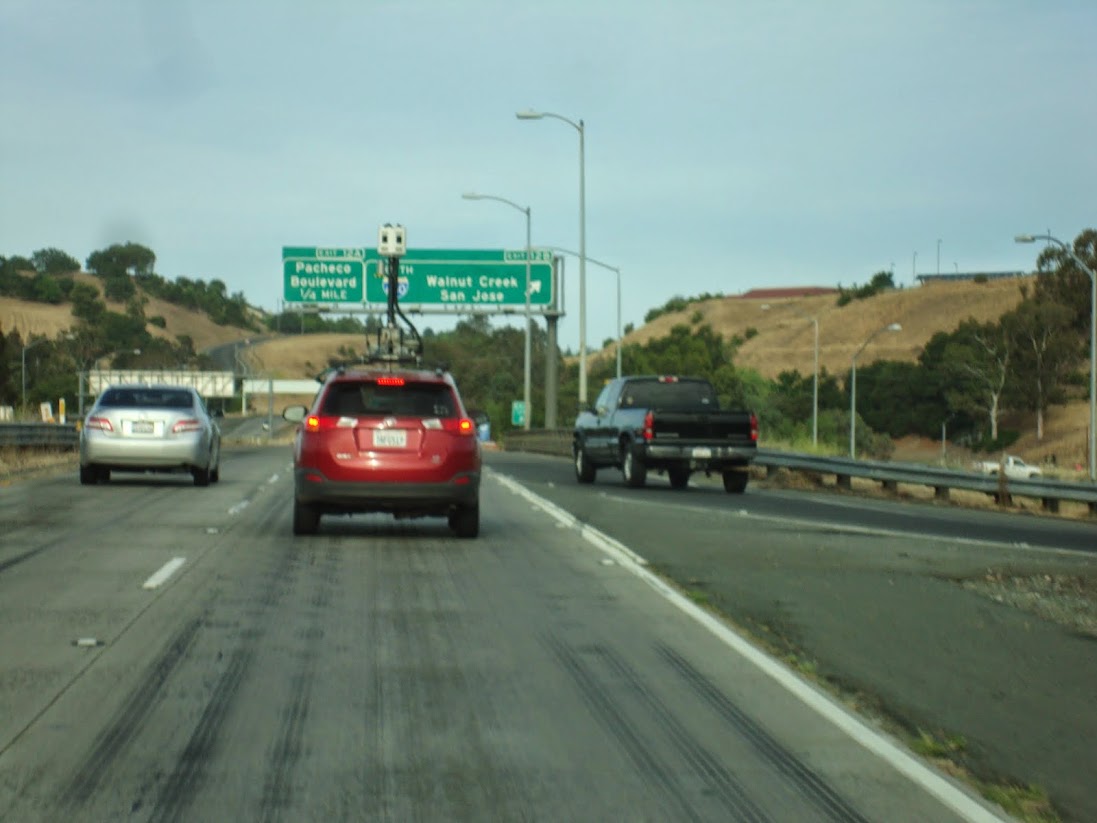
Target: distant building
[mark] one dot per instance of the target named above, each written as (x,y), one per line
(982,275)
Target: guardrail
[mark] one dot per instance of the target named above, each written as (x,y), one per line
(1049,492)
(40,435)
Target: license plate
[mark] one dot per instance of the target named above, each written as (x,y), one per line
(142,427)
(702,452)
(390,438)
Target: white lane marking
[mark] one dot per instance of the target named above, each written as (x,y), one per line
(902,761)
(239,507)
(166,571)
(273,479)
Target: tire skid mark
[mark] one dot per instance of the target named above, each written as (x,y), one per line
(116,737)
(278,788)
(725,785)
(596,696)
(421,689)
(181,788)
(110,520)
(813,788)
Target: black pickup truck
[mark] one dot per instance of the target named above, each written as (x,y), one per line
(668,423)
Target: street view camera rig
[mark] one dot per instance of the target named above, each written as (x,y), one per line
(393,344)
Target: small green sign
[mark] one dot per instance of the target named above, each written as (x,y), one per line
(518,413)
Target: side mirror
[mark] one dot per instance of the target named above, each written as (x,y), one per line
(295,414)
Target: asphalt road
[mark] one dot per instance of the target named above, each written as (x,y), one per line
(865,592)
(173,653)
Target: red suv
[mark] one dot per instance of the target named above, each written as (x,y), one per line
(386,441)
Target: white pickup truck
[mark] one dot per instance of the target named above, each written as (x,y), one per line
(1015,467)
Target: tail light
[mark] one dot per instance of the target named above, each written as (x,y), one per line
(649,426)
(189,425)
(462,426)
(390,381)
(317,422)
(754,427)
(100,423)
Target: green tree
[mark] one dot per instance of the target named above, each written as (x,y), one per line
(978,357)
(1060,279)
(129,259)
(54,261)
(1046,349)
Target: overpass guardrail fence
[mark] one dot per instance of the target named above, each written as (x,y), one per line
(890,475)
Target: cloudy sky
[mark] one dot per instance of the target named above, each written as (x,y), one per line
(729,145)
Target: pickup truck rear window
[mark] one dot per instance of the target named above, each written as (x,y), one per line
(685,395)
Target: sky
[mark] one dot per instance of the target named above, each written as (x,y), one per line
(727,145)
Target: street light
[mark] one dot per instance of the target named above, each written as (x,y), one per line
(1032,238)
(579,127)
(24,368)
(616,271)
(815,373)
(853,386)
(529,253)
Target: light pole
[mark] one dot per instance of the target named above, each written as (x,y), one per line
(914,269)
(24,368)
(579,127)
(529,253)
(815,373)
(938,256)
(853,387)
(1032,238)
(616,271)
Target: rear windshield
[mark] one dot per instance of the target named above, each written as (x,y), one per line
(685,395)
(408,400)
(147,399)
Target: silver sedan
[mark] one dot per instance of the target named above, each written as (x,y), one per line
(150,429)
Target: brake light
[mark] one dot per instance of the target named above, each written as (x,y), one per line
(100,423)
(390,381)
(188,425)
(462,426)
(649,426)
(754,427)
(668,378)
(312,423)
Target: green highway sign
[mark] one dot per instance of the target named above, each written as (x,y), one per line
(492,278)
(323,275)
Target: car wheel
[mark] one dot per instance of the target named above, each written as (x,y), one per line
(465,521)
(679,477)
(584,471)
(735,481)
(201,476)
(215,475)
(633,469)
(89,475)
(306,518)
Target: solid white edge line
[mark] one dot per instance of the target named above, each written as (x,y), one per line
(166,571)
(902,761)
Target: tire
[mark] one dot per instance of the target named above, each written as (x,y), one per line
(735,481)
(306,518)
(89,475)
(633,469)
(201,476)
(215,474)
(584,470)
(679,477)
(465,521)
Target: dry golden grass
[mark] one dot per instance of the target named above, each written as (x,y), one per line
(785,333)
(42,319)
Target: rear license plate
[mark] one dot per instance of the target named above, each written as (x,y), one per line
(702,452)
(142,427)
(390,439)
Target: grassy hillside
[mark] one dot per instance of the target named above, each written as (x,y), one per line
(43,319)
